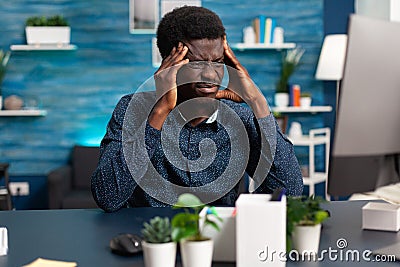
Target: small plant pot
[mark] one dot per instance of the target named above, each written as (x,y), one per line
(197,253)
(305,102)
(159,255)
(306,239)
(48,35)
(281,99)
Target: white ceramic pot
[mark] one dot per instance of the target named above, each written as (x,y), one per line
(305,102)
(281,99)
(1,102)
(48,35)
(306,239)
(159,255)
(295,130)
(197,253)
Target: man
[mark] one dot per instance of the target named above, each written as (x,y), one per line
(190,135)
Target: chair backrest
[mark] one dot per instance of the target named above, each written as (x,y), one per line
(84,163)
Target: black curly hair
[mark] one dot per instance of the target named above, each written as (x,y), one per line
(187,23)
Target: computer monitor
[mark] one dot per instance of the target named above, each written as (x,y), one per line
(366,143)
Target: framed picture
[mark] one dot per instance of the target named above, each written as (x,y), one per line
(169,5)
(143,16)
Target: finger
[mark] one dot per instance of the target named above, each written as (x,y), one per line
(166,62)
(180,54)
(173,53)
(230,57)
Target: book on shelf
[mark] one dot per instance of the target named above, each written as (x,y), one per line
(269,30)
(264,29)
(256,26)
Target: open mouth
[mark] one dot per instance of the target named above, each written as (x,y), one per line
(207,88)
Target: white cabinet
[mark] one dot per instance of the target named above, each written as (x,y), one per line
(315,137)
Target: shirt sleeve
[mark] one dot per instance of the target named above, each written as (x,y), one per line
(276,154)
(112,183)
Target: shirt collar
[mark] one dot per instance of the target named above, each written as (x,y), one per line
(211,119)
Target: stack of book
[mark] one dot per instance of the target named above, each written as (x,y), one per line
(264,29)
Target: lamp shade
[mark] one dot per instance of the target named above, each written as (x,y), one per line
(331,60)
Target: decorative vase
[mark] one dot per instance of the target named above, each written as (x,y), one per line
(281,99)
(295,130)
(13,102)
(306,239)
(159,255)
(197,253)
(305,102)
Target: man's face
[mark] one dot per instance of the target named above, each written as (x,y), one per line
(203,74)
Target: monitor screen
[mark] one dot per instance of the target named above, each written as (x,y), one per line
(367,131)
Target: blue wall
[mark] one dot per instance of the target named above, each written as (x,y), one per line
(79,89)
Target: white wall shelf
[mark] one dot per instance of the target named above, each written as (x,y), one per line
(312,109)
(261,46)
(306,140)
(23,113)
(43,47)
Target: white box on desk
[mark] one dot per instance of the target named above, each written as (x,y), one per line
(225,238)
(260,231)
(381,216)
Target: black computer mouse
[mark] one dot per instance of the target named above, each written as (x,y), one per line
(126,244)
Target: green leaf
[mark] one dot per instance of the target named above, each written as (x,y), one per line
(188,200)
(321,216)
(179,233)
(213,224)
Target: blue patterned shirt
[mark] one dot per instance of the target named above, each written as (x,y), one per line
(113,186)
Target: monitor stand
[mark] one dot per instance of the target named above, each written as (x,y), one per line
(357,174)
(388,170)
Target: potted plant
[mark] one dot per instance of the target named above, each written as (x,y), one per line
(47,30)
(304,218)
(4,57)
(290,62)
(158,248)
(305,100)
(196,249)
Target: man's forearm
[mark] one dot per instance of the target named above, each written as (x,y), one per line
(157,118)
(112,184)
(260,107)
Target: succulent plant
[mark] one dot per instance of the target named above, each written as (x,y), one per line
(157,230)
